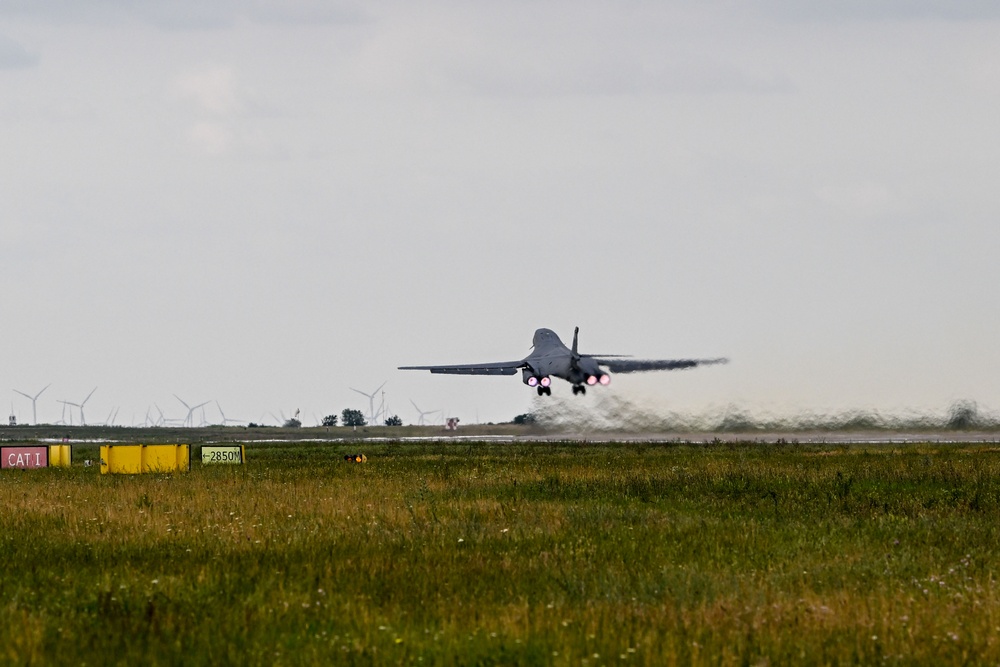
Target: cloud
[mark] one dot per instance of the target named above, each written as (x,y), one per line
(185,14)
(215,101)
(489,53)
(211,138)
(495,74)
(879,10)
(15,56)
(861,200)
(213,90)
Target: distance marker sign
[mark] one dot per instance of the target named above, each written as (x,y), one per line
(223,454)
(24,457)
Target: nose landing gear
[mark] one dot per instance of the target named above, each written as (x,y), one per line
(544,391)
(579,389)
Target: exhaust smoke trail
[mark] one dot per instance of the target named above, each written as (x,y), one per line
(615,413)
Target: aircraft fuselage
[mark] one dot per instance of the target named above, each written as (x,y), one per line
(551,358)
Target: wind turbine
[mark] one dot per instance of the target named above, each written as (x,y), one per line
(189,420)
(112,416)
(371,400)
(34,413)
(63,420)
(423,413)
(83,419)
(225,420)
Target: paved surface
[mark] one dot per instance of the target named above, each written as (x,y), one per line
(482,434)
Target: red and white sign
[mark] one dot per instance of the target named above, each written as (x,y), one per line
(24,457)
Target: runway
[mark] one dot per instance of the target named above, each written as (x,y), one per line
(482,434)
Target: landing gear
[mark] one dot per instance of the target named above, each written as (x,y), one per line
(579,389)
(544,391)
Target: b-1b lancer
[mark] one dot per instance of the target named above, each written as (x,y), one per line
(551,358)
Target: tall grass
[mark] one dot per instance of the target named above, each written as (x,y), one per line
(557,553)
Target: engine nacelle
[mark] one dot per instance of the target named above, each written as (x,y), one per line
(529,378)
(600,378)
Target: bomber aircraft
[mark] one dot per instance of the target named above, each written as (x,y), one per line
(551,358)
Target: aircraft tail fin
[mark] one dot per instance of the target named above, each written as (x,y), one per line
(575,359)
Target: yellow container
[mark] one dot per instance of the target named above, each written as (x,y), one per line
(164,458)
(121,459)
(133,459)
(60,456)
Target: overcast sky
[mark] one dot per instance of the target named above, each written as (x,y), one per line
(268,203)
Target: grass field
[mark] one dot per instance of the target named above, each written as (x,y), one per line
(541,553)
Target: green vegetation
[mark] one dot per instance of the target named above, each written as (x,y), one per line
(351,417)
(542,553)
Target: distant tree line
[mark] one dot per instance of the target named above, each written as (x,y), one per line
(354,418)
(349,417)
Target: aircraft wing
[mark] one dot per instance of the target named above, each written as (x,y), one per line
(643,365)
(491,368)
